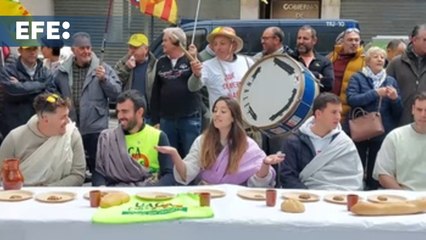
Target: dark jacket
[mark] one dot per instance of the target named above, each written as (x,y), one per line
(410,73)
(322,68)
(361,93)
(299,152)
(17,107)
(171,98)
(126,74)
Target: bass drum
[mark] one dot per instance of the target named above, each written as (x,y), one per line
(276,95)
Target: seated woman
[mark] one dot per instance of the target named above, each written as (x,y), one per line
(224,153)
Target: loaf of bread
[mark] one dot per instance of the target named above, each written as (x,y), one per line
(292,206)
(400,208)
(114,199)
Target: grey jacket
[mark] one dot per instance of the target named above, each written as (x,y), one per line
(125,74)
(94,107)
(410,74)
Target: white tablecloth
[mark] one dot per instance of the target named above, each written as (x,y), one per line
(234,218)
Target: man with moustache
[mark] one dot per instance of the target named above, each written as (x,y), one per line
(126,155)
(347,58)
(90,84)
(320,155)
(319,65)
(49,146)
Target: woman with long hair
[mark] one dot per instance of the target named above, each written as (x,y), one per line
(224,153)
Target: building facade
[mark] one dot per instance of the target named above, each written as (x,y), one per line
(380,17)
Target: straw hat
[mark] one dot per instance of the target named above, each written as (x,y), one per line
(226,32)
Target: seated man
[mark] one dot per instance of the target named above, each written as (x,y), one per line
(400,161)
(126,155)
(320,155)
(49,147)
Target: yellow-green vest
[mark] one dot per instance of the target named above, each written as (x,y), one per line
(140,146)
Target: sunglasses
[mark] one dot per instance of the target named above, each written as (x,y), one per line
(52,98)
(349,30)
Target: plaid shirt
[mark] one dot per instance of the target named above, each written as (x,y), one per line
(79,75)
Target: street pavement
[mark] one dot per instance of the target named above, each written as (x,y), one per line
(113,122)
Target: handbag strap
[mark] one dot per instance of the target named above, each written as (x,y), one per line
(380,104)
(363,112)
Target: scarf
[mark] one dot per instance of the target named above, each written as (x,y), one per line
(378,78)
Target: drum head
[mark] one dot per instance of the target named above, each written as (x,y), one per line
(270,90)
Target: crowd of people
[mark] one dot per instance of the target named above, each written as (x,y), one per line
(180,121)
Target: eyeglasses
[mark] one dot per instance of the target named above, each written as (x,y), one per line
(266,37)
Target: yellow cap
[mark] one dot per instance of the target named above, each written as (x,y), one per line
(138,39)
(26,47)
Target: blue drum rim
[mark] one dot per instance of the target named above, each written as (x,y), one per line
(292,108)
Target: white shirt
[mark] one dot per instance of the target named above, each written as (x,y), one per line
(403,156)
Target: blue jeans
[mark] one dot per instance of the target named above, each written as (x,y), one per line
(182,131)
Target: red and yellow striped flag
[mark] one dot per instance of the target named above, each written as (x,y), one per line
(164,9)
(12,8)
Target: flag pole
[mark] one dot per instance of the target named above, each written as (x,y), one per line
(101,58)
(152,28)
(195,22)
(2,57)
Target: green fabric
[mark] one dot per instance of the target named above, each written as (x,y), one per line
(185,205)
(140,147)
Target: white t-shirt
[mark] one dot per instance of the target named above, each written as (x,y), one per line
(402,156)
(223,78)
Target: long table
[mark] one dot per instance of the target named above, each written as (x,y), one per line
(234,218)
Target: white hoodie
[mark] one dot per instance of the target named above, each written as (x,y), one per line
(319,142)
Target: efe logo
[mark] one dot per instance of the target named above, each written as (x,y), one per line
(26,30)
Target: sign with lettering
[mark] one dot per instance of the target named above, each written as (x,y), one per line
(295,9)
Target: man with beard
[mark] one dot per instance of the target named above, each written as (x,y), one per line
(272,43)
(320,66)
(126,155)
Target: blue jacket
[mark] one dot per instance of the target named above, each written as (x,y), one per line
(17,107)
(361,93)
(94,107)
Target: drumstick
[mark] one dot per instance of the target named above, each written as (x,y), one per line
(176,42)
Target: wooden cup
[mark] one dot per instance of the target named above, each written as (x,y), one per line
(351,200)
(95,198)
(204,199)
(271,197)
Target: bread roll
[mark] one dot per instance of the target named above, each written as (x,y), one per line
(377,209)
(114,199)
(292,206)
